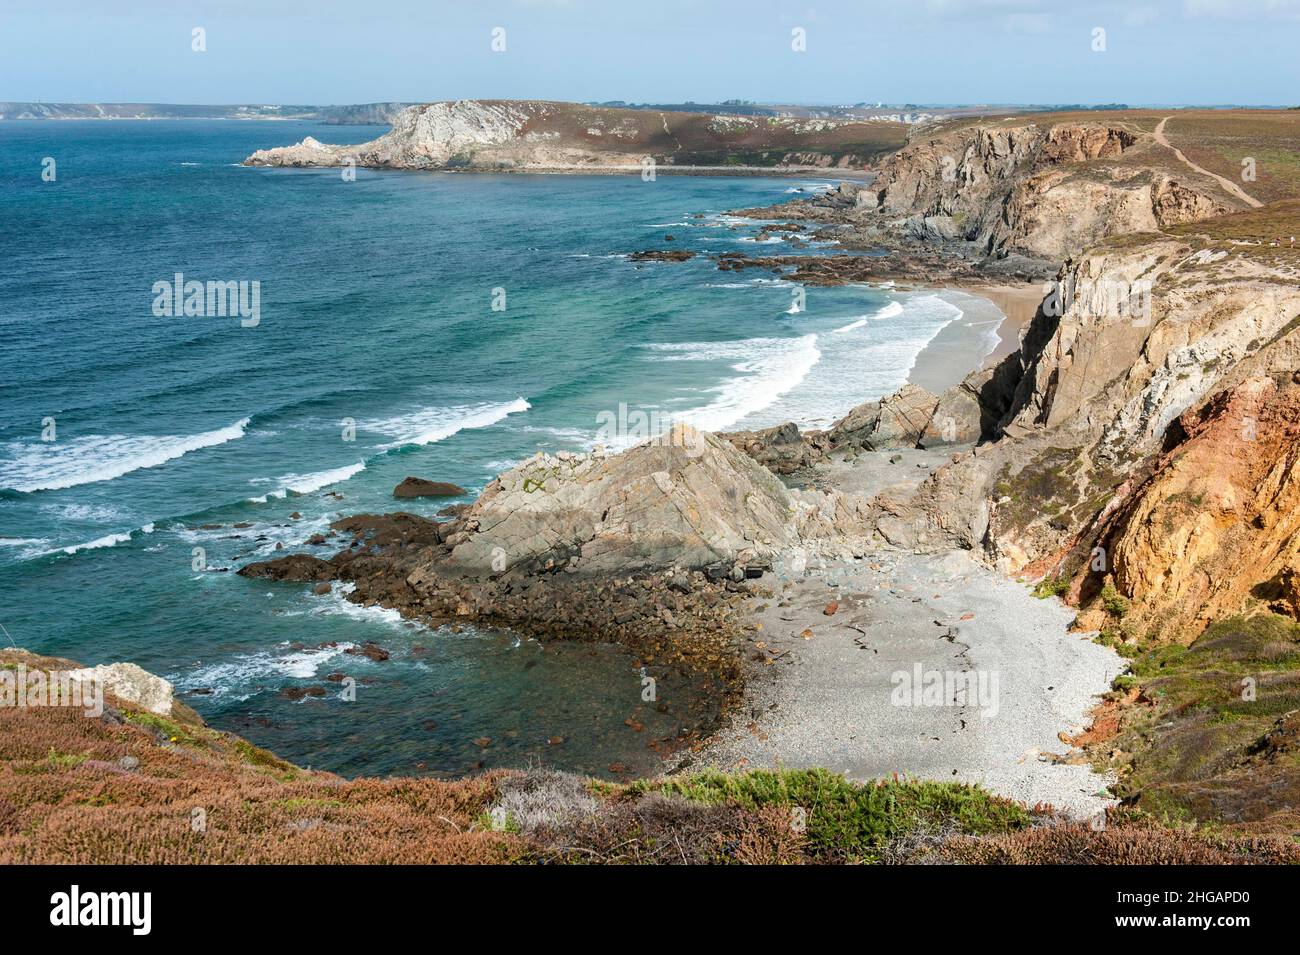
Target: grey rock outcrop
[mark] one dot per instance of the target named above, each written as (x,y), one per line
(689,499)
(896,421)
(131,683)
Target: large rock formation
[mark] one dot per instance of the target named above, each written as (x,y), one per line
(1218,521)
(688,499)
(1149,449)
(535,134)
(1025,190)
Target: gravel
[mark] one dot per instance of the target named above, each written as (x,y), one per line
(834,700)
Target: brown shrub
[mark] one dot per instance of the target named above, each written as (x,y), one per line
(1078,844)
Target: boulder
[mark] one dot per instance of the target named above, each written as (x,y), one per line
(131,683)
(897,421)
(957,419)
(419,487)
(688,499)
(295,567)
(781,448)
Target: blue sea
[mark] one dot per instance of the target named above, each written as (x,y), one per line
(145,456)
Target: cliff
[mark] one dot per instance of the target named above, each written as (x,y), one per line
(534,134)
(1150,447)
(1019,187)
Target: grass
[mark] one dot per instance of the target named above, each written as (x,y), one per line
(848,821)
(1251,233)
(1218,140)
(1115,603)
(1051,587)
(173,731)
(1221,741)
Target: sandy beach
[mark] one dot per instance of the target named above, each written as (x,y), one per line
(830,695)
(987,331)
(1018,303)
(827,688)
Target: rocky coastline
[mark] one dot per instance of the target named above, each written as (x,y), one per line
(1108,513)
(1076,460)
(542,136)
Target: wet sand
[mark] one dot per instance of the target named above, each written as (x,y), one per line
(988,330)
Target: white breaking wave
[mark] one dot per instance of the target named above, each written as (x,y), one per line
(435,424)
(249,672)
(874,361)
(336,603)
(892,310)
(306,483)
(86,460)
(769,368)
(108,540)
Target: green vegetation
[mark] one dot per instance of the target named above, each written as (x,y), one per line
(1223,739)
(849,821)
(1051,587)
(1115,603)
(171,730)
(256,756)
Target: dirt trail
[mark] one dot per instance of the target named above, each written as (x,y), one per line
(1227,184)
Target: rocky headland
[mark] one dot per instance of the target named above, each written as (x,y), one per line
(543,136)
(1133,456)
(1105,518)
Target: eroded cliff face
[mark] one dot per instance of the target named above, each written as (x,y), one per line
(538,134)
(1149,451)
(1218,521)
(1037,189)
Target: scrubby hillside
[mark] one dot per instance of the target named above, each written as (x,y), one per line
(534,134)
(134,787)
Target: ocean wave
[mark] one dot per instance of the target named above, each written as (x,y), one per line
(435,424)
(93,458)
(246,673)
(307,483)
(873,361)
(892,310)
(769,368)
(336,604)
(108,540)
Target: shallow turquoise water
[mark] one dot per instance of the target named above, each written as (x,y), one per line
(375,309)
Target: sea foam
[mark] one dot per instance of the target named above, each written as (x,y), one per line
(31,466)
(769,368)
(435,424)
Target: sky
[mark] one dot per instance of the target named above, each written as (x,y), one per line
(315,52)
